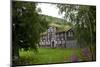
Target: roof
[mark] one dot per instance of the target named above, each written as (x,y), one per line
(59,27)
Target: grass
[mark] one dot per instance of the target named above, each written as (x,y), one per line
(49,55)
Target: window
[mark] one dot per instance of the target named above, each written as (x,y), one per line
(70,34)
(57,36)
(62,36)
(48,30)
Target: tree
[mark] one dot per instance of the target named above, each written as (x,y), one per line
(26,27)
(83,19)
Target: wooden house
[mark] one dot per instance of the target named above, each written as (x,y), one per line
(58,36)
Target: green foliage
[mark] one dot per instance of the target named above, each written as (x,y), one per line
(60,24)
(53,19)
(83,19)
(27,25)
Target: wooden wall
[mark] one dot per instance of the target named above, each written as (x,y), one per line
(64,39)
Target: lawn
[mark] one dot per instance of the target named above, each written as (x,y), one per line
(50,55)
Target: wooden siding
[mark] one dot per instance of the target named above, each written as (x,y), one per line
(55,39)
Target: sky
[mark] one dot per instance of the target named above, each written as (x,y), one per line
(49,9)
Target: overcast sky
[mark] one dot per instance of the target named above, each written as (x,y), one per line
(49,9)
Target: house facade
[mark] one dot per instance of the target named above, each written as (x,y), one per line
(53,38)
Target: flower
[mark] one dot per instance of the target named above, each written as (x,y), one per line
(85,52)
(74,58)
